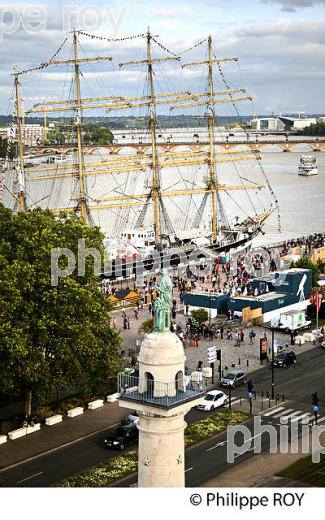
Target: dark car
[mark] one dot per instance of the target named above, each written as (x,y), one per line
(122,436)
(287,357)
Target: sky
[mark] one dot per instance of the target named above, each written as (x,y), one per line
(280,45)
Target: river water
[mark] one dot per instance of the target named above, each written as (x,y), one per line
(301,199)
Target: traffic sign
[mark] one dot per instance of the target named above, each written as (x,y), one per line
(212,354)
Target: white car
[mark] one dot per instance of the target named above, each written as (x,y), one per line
(133,418)
(212,400)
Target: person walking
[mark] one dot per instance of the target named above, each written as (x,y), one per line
(252,335)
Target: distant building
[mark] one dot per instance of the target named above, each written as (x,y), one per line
(269,124)
(32,134)
(298,123)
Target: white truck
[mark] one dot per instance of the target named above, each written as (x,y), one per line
(291,321)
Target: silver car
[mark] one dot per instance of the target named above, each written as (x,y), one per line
(234,378)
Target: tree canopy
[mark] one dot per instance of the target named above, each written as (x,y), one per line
(4,149)
(51,337)
(305,263)
(314,129)
(97,135)
(200,315)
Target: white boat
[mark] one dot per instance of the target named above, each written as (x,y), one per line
(307,166)
(57,159)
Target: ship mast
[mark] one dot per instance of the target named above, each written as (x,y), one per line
(212,186)
(153,126)
(78,124)
(115,165)
(20,180)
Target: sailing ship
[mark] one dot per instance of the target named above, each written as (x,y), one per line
(161,197)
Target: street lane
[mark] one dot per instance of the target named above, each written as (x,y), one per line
(297,383)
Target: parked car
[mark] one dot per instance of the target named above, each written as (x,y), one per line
(234,378)
(284,358)
(213,400)
(122,436)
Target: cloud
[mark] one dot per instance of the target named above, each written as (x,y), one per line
(294,5)
(280,61)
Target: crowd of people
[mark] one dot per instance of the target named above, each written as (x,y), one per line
(307,244)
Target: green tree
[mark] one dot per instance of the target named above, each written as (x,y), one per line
(97,135)
(51,337)
(146,327)
(314,129)
(4,149)
(305,263)
(57,136)
(200,315)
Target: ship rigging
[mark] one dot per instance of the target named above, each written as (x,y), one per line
(141,188)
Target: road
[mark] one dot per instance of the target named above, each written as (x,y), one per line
(297,383)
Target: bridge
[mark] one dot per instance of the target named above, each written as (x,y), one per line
(282,145)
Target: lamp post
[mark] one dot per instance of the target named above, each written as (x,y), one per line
(273,384)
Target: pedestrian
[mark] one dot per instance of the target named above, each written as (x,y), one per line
(221,332)
(125,323)
(114,323)
(128,322)
(242,335)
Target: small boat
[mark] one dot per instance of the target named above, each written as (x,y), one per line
(307,166)
(57,159)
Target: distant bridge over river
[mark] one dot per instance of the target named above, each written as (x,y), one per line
(266,143)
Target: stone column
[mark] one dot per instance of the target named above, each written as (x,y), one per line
(161,451)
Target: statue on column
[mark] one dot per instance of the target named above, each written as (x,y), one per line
(162,304)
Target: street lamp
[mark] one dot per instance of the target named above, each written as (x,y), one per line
(272,384)
(272,329)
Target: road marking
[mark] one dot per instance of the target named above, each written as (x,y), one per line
(273,411)
(252,448)
(29,478)
(217,445)
(292,414)
(287,417)
(234,401)
(283,414)
(188,469)
(300,417)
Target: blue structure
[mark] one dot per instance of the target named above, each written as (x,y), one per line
(206,301)
(277,290)
(272,292)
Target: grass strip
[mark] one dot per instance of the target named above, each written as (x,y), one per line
(121,466)
(305,470)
